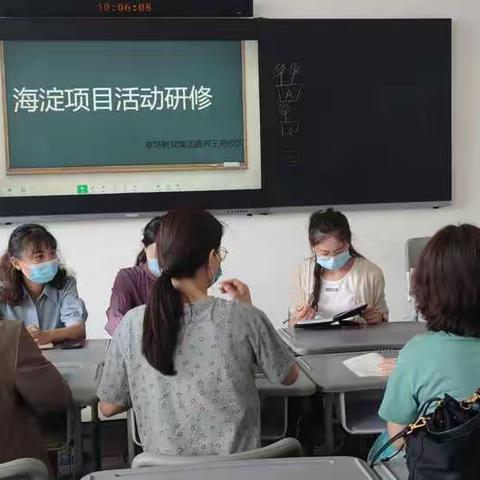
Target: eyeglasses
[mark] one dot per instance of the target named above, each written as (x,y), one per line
(326,253)
(222,253)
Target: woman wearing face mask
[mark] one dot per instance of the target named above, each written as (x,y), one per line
(185,362)
(336,277)
(36,290)
(132,285)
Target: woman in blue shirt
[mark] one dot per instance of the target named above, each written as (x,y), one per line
(446,359)
(37,290)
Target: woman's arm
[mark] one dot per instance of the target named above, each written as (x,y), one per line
(109,410)
(73,315)
(299,308)
(113,391)
(58,335)
(395,429)
(373,293)
(120,302)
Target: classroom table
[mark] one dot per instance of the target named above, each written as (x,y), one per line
(94,351)
(325,468)
(332,377)
(313,341)
(82,369)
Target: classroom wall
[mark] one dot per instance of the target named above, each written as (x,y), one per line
(264,250)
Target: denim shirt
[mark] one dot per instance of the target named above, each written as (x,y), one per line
(54,308)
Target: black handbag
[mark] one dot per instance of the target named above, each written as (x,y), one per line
(445,444)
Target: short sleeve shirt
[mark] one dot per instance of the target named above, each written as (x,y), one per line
(429,366)
(54,308)
(211,406)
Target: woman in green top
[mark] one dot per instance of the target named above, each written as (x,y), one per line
(446,359)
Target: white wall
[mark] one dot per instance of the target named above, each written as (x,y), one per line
(264,250)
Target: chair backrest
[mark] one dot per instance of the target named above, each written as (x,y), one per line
(287,447)
(414,248)
(23,469)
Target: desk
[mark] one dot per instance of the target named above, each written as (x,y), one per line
(326,468)
(82,369)
(332,377)
(94,351)
(83,380)
(389,335)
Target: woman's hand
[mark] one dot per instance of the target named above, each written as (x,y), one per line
(372,315)
(41,337)
(302,313)
(387,366)
(237,290)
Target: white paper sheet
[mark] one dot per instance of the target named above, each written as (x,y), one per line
(365,365)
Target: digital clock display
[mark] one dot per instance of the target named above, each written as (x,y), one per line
(125,8)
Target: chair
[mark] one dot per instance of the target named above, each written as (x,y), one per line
(287,447)
(413,249)
(395,469)
(359,412)
(23,469)
(274,406)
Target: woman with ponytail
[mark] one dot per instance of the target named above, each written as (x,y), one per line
(132,285)
(185,362)
(336,277)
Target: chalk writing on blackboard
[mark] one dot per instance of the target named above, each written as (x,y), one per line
(288,127)
(289,92)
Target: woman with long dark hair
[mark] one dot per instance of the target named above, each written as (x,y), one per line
(132,285)
(336,277)
(185,362)
(37,290)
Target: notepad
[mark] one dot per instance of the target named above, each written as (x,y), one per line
(365,365)
(46,346)
(336,319)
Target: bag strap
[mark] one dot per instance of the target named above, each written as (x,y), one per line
(392,440)
(420,423)
(427,404)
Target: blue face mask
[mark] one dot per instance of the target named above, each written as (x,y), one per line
(154,267)
(336,262)
(217,275)
(42,273)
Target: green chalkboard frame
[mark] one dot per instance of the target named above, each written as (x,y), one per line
(11,170)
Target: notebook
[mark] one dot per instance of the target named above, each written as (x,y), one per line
(365,365)
(338,319)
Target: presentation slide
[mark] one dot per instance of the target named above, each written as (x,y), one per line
(96,117)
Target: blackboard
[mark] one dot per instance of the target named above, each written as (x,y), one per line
(358,111)
(371,123)
(123,105)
